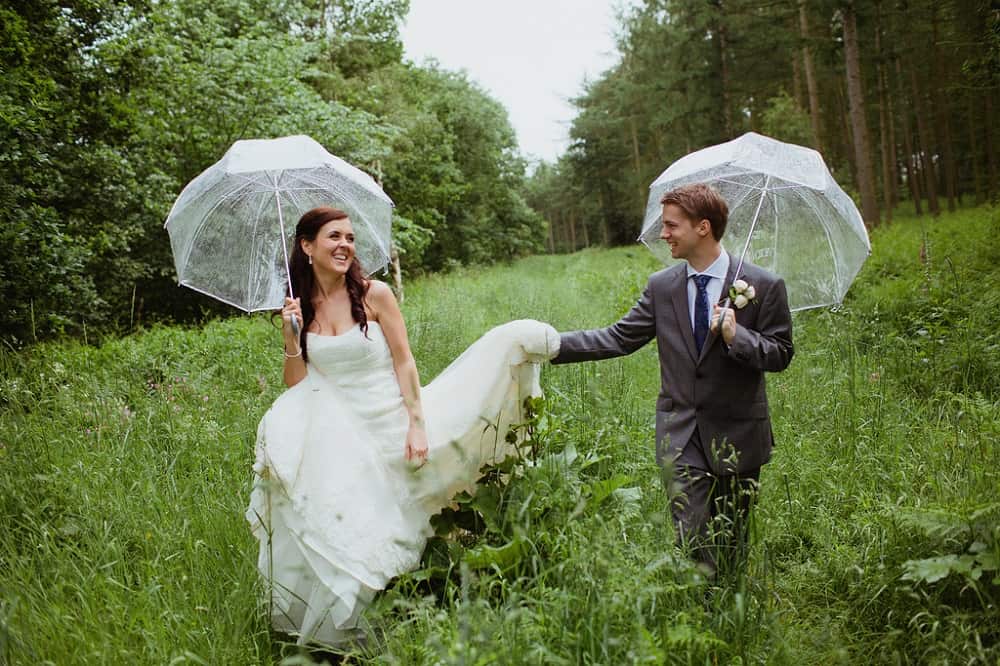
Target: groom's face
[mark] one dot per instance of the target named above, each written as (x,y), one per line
(683,234)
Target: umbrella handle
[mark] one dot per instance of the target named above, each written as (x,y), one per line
(723,307)
(295,326)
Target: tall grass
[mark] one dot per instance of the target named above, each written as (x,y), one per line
(124,472)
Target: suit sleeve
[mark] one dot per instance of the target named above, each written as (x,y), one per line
(628,334)
(768,347)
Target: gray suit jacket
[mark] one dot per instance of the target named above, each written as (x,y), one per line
(720,391)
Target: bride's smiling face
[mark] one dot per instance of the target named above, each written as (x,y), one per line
(333,249)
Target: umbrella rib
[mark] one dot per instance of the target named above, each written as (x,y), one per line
(185,283)
(777,228)
(753,226)
(793,186)
(275,178)
(738,184)
(284,190)
(253,246)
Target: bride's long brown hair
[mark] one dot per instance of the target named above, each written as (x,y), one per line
(304,280)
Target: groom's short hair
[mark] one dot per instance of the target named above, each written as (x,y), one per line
(701,202)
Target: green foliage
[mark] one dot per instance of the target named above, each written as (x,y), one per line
(70,198)
(108,108)
(694,74)
(454,168)
(980,530)
(125,471)
(784,120)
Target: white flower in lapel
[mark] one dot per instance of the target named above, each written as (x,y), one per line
(742,294)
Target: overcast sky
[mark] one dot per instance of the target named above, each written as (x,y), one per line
(531,55)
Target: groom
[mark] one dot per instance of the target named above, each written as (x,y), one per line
(713,430)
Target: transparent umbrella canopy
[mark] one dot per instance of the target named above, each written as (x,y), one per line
(786,214)
(232,227)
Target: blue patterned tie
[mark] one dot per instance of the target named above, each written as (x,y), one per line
(701,310)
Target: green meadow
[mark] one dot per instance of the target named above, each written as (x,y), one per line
(125,472)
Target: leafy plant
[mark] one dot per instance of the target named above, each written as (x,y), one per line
(975,537)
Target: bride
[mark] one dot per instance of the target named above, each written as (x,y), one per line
(355,457)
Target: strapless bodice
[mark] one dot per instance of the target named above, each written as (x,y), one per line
(352,355)
(358,368)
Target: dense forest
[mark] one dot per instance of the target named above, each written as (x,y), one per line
(900,97)
(107,108)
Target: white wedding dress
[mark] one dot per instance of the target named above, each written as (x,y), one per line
(336,507)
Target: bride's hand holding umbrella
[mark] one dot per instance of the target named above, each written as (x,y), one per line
(291,317)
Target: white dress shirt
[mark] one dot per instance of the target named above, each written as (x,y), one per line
(717,271)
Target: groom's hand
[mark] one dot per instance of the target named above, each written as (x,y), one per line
(728,318)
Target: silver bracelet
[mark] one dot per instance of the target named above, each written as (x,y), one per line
(296,354)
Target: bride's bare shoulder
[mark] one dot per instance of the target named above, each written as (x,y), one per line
(379,290)
(381,297)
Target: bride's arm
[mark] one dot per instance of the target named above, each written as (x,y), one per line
(386,310)
(295,368)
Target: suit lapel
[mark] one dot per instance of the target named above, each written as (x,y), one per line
(679,297)
(713,335)
(730,277)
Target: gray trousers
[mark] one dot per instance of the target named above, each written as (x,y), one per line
(711,513)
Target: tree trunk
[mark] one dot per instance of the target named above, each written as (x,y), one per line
(926,150)
(977,165)
(727,116)
(722,50)
(912,167)
(397,270)
(810,71)
(885,126)
(942,113)
(397,274)
(797,92)
(847,145)
(572,232)
(564,232)
(859,125)
(550,241)
(635,146)
(991,155)
(604,219)
(636,164)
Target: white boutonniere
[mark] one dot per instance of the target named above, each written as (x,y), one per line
(741,294)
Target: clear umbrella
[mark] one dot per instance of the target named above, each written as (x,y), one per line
(231,228)
(786,214)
